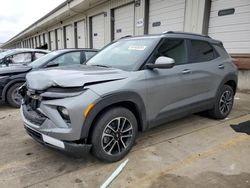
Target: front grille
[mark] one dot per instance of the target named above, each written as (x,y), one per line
(33,116)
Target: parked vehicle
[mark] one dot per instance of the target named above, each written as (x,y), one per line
(11,78)
(132,85)
(2,50)
(20,56)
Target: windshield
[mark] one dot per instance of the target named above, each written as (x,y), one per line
(3,54)
(39,62)
(124,54)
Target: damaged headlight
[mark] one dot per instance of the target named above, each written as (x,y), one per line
(60,93)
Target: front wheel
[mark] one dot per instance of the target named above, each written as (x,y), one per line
(223,104)
(114,134)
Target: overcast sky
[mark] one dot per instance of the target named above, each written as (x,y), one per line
(16,15)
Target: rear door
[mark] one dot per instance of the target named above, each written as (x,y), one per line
(206,70)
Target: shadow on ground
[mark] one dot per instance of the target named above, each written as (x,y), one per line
(203,180)
(243,127)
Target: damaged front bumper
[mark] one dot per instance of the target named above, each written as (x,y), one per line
(70,147)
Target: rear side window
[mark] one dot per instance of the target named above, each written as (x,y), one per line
(201,51)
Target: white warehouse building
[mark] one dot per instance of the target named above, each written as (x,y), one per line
(95,23)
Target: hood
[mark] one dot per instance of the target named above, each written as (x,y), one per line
(14,69)
(76,76)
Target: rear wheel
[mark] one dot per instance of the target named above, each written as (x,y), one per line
(223,104)
(13,98)
(114,134)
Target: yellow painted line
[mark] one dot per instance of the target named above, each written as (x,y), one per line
(191,159)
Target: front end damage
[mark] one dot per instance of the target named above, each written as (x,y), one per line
(54,117)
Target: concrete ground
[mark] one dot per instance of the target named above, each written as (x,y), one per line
(192,152)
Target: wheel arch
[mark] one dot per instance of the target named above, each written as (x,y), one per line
(231,80)
(129,100)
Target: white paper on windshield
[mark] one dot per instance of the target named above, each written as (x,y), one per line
(139,48)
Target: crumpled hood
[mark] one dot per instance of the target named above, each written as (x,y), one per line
(76,76)
(14,69)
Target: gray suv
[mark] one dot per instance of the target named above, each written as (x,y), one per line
(132,85)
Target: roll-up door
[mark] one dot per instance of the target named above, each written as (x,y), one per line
(37,41)
(69,40)
(81,34)
(59,38)
(230,22)
(52,40)
(41,40)
(166,15)
(46,39)
(98,31)
(33,42)
(124,21)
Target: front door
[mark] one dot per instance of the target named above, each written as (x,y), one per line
(169,90)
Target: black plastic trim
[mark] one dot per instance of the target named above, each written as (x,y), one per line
(113,99)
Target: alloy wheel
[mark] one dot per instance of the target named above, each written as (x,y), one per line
(226,102)
(117,136)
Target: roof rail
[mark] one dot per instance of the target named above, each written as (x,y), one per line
(185,33)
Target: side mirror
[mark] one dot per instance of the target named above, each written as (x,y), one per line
(162,63)
(8,61)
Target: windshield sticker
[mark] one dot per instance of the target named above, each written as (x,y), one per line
(139,48)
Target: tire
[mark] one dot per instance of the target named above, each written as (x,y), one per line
(13,98)
(225,98)
(110,144)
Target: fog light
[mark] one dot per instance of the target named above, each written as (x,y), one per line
(64,113)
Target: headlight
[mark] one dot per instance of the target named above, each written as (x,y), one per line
(62,93)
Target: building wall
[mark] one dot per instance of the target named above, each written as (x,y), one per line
(197,14)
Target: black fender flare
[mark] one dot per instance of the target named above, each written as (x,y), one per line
(112,99)
(229,77)
(8,85)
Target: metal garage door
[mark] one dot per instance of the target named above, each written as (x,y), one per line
(59,38)
(166,15)
(41,40)
(37,41)
(69,43)
(124,21)
(46,39)
(81,41)
(52,40)
(230,23)
(98,31)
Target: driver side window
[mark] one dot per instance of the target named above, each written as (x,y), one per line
(21,58)
(175,49)
(70,58)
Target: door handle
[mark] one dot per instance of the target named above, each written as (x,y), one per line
(221,66)
(186,71)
